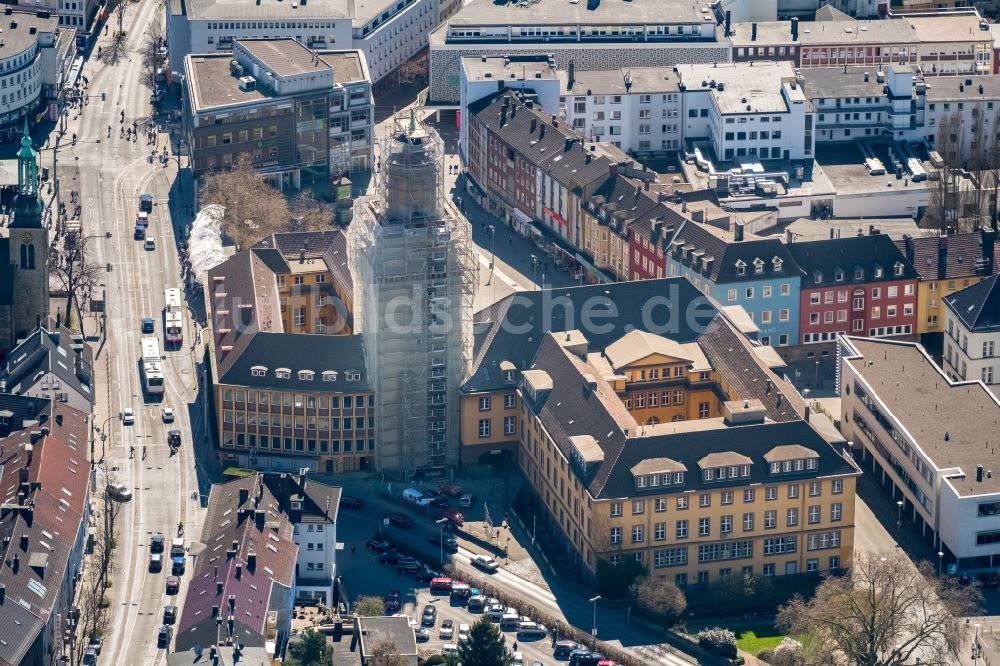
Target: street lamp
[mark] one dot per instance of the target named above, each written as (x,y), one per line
(899,515)
(940,562)
(534,270)
(975,645)
(593,632)
(816,378)
(493,253)
(440,523)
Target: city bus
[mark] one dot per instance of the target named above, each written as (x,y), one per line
(173,317)
(152,366)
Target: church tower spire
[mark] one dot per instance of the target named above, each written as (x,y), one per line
(27,205)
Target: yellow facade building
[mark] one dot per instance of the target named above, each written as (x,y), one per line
(944,265)
(726,477)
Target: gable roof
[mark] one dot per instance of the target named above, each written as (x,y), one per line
(300,351)
(242,512)
(637,345)
(716,254)
(821,259)
(51,349)
(951,256)
(978,306)
(44,483)
(513,328)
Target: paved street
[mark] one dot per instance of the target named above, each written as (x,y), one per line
(111,173)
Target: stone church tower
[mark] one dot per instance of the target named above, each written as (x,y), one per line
(26,298)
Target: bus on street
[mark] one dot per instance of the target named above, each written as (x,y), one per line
(152,366)
(173,317)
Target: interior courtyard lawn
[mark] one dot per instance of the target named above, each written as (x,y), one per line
(756,639)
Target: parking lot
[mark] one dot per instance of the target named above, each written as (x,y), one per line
(363,575)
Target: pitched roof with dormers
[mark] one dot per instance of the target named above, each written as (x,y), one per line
(637,345)
(850,260)
(978,306)
(952,256)
(717,255)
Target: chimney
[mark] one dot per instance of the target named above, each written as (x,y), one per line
(541,132)
(979,473)
(987,238)
(503,116)
(232,603)
(251,561)
(795,29)
(738,231)
(568,144)
(534,124)
(866,77)
(729,23)
(25,541)
(3,593)
(753,32)
(572,71)
(239,571)
(218,587)
(244,495)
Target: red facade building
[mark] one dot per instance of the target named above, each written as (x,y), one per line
(861,285)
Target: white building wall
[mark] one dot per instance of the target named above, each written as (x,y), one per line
(207,36)
(396,39)
(963,523)
(50,386)
(317,556)
(638,122)
(967,354)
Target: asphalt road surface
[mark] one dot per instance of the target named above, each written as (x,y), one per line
(110,174)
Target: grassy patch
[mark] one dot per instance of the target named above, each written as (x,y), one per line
(758,638)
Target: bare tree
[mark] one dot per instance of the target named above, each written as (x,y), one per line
(413,70)
(884,612)
(368,606)
(945,204)
(386,653)
(253,207)
(309,214)
(76,272)
(153,41)
(660,597)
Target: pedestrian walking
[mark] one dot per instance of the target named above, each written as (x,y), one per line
(354,550)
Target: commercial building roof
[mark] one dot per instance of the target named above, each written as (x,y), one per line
(962,88)
(746,88)
(954,423)
(211,84)
(561,12)
(835,82)
(950,27)
(622,81)
(267,9)
(21,28)
(498,68)
(396,630)
(286,56)
(978,306)
(815,33)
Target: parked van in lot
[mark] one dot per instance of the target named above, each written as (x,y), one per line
(441,584)
(476,603)
(531,631)
(466,501)
(510,621)
(417,497)
(460,593)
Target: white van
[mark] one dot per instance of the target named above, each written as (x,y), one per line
(510,621)
(417,497)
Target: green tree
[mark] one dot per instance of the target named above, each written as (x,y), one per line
(369,607)
(310,650)
(485,646)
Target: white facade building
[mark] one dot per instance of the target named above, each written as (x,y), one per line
(972,333)
(388,32)
(748,112)
(937,462)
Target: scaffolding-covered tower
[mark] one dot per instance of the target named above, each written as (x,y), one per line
(414,284)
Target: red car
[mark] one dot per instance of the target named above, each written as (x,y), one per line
(452,490)
(451,514)
(173,584)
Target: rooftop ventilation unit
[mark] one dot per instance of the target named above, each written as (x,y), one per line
(248,83)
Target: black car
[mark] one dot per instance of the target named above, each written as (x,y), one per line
(389,557)
(349,502)
(410,567)
(585,658)
(146,203)
(399,520)
(426,574)
(448,542)
(393,601)
(148,325)
(377,546)
(163,638)
(437,499)
(430,616)
(156,544)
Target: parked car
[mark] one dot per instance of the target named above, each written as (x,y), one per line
(128,416)
(447,630)
(416,497)
(449,648)
(120,492)
(90,657)
(148,325)
(485,563)
(531,631)
(447,541)
(408,565)
(389,557)
(169,614)
(430,616)
(518,659)
(96,643)
(350,502)
(426,574)
(454,516)
(467,501)
(399,520)
(437,499)
(421,634)
(377,546)
(563,649)
(450,489)
(463,632)
(156,562)
(156,543)
(393,601)
(441,584)
(150,244)
(146,202)
(173,584)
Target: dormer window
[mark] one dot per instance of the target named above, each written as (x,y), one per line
(758,266)
(283,373)
(258,371)
(741,267)
(306,375)
(838,275)
(790,458)
(777,264)
(897,269)
(878,271)
(859,273)
(329,375)
(818,277)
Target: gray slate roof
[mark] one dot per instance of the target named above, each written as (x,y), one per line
(978,306)
(49,349)
(823,258)
(341,353)
(727,253)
